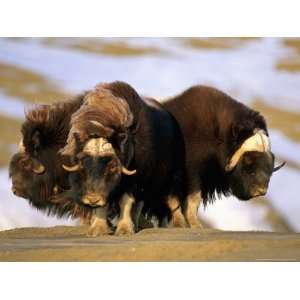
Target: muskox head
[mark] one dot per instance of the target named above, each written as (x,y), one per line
(27,177)
(35,180)
(96,172)
(251,167)
(100,147)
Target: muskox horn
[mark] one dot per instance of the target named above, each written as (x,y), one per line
(21,147)
(279,167)
(128,172)
(38,168)
(71,168)
(258,142)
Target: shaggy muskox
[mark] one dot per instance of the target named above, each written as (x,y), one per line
(227,147)
(116,131)
(36,170)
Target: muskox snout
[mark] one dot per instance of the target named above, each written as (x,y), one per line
(261,191)
(94,200)
(14,190)
(18,192)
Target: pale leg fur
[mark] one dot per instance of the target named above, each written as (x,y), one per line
(125,225)
(191,213)
(99,225)
(84,221)
(177,218)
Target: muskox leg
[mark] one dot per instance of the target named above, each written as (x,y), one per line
(191,212)
(125,224)
(177,218)
(140,220)
(99,225)
(84,220)
(136,214)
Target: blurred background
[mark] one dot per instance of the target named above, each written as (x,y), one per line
(263,73)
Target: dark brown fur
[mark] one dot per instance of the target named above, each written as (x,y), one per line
(45,131)
(214,126)
(158,151)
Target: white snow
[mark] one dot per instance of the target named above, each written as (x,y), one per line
(11,107)
(16,212)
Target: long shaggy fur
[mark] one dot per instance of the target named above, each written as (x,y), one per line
(158,151)
(152,132)
(45,131)
(214,126)
(102,115)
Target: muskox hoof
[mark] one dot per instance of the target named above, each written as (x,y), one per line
(196,225)
(124,228)
(178,222)
(98,228)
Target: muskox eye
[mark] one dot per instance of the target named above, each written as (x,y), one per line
(113,169)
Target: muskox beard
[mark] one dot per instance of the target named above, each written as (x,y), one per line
(40,196)
(63,205)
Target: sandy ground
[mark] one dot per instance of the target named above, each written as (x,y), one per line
(70,244)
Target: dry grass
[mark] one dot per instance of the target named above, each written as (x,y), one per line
(293,43)
(9,135)
(5,155)
(216,43)
(27,85)
(288,122)
(290,63)
(110,48)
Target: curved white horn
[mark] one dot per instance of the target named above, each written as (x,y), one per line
(258,142)
(71,168)
(21,147)
(128,172)
(98,146)
(38,169)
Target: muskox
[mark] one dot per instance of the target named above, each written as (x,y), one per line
(227,146)
(122,148)
(36,170)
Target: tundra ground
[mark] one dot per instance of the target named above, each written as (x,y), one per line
(71,244)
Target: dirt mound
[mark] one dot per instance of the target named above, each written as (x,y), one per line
(70,244)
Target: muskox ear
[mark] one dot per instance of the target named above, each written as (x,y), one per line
(126,146)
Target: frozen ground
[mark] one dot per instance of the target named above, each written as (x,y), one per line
(246,72)
(70,244)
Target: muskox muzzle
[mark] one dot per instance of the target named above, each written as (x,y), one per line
(94,200)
